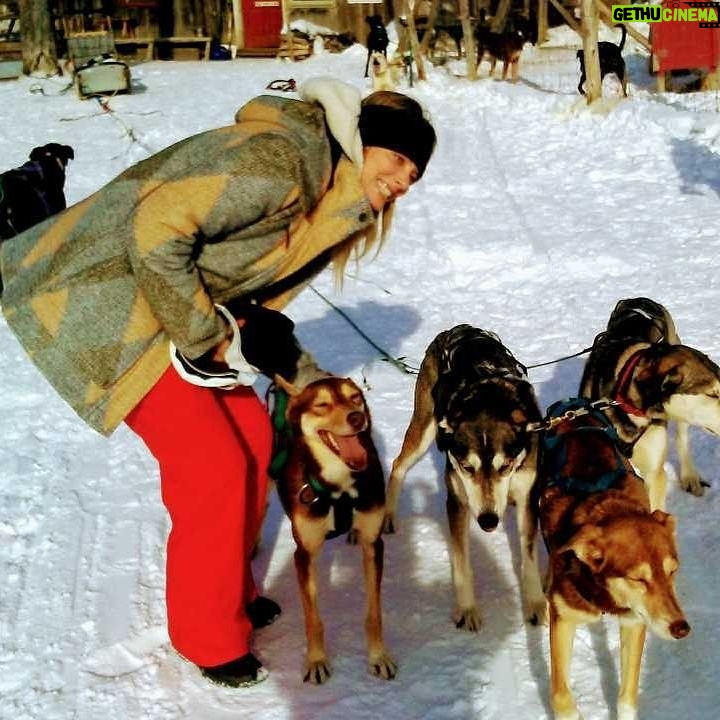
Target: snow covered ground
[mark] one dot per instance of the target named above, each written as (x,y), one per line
(533,219)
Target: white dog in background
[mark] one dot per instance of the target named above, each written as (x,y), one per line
(382,78)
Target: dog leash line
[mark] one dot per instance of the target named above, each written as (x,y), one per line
(601,404)
(397,362)
(565,357)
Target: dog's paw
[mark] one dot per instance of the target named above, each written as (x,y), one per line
(537,613)
(468,619)
(573,715)
(389,524)
(626,712)
(382,666)
(694,484)
(317,671)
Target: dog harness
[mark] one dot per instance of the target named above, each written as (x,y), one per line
(559,422)
(469,359)
(313,493)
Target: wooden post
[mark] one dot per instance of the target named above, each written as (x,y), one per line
(593,83)
(432,19)
(542,21)
(470,59)
(409,12)
(606,17)
(567,17)
(238,39)
(500,17)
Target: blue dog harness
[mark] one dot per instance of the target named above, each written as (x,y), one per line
(559,421)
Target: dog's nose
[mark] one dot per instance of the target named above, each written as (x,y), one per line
(356,419)
(488,521)
(679,629)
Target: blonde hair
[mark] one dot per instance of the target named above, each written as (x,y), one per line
(361,244)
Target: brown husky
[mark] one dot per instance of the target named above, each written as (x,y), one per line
(608,553)
(332,483)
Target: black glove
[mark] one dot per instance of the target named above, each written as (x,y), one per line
(268,341)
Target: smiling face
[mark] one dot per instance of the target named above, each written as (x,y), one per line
(386,175)
(332,417)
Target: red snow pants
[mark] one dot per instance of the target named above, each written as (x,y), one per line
(213,447)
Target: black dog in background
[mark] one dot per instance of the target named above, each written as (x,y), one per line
(34,191)
(611,61)
(377,39)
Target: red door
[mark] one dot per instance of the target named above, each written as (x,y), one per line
(683,44)
(262,22)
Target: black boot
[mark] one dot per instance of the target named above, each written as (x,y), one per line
(262,612)
(243,672)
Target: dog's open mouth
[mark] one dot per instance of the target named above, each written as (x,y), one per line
(347,447)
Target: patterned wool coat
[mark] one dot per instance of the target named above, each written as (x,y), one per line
(95,293)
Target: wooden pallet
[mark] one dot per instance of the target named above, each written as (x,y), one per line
(294,48)
(256,52)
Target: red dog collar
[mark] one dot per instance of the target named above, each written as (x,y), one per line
(622,385)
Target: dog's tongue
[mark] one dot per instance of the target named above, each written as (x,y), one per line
(352,452)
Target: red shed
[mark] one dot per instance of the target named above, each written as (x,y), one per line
(682,44)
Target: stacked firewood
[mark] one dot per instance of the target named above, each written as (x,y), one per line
(296,46)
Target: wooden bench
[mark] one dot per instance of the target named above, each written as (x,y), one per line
(148,43)
(189,40)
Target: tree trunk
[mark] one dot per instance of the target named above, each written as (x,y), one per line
(38,43)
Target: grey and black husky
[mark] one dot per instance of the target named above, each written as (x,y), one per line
(473,397)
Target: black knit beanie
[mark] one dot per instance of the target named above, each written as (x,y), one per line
(400,130)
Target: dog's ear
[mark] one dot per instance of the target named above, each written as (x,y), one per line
(288,387)
(528,401)
(657,380)
(38,152)
(587,547)
(671,382)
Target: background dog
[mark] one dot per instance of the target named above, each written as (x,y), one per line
(506,46)
(34,191)
(382,78)
(377,39)
(331,483)
(474,398)
(611,61)
(639,362)
(607,552)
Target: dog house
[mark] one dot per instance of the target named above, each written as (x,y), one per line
(684,44)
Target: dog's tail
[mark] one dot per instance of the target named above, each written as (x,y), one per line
(624,35)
